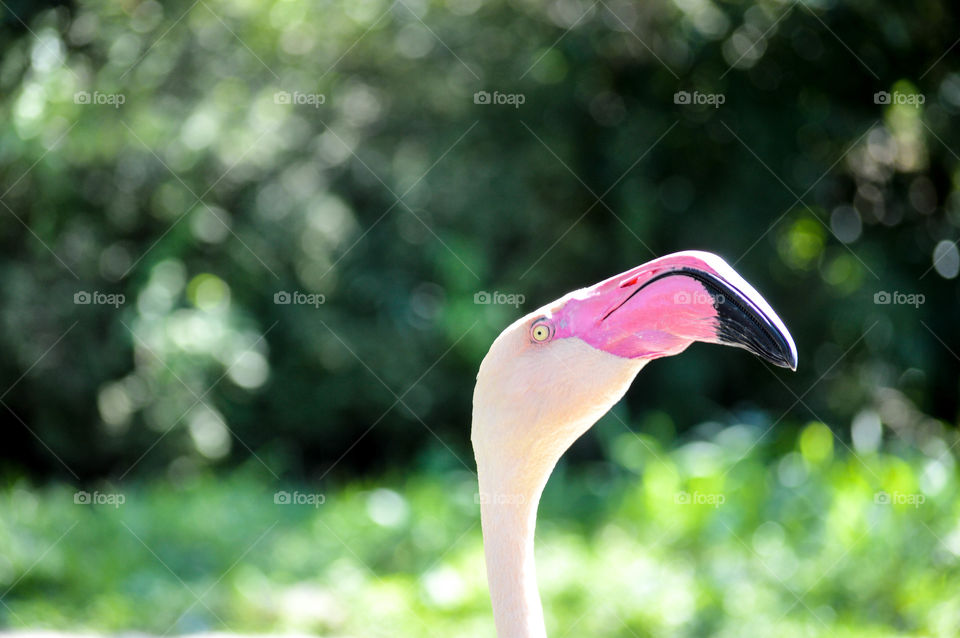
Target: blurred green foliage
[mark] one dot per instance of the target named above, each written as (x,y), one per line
(719,537)
(190,167)
(336,149)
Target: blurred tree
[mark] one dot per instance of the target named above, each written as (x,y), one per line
(299,202)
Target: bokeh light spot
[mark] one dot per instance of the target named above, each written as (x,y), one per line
(946,259)
(208,292)
(816,443)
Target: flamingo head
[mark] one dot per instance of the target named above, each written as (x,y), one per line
(551,374)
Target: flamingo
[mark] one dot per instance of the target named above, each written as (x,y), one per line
(552,374)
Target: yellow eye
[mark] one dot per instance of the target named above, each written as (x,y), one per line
(540,332)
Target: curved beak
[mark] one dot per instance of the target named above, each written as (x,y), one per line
(746,320)
(660,308)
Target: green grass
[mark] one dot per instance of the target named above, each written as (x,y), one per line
(786,544)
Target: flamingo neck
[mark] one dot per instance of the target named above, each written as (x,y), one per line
(508,513)
(520,430)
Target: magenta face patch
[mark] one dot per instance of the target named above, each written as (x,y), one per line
(631,318)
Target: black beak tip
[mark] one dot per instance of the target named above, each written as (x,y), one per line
(756,333)
(743,323)
(767,343)
(792,362)
(781,351)
(788,359)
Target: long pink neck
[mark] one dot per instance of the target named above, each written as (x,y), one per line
(508,513)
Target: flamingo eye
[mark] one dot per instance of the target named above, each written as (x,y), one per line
(541,332)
